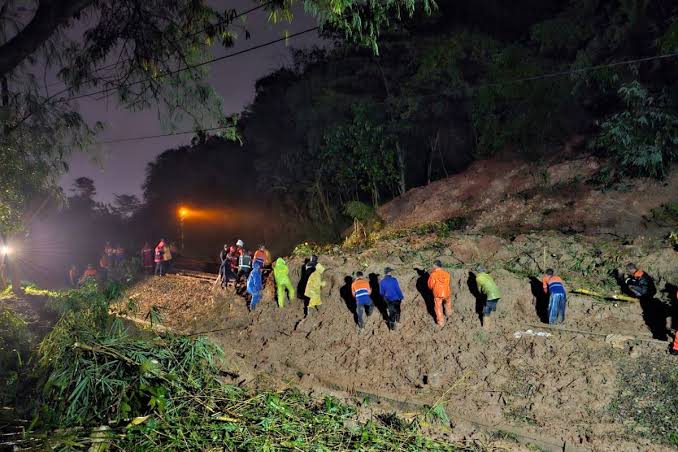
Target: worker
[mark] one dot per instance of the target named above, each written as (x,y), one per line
(555,289)
(90,273)
(109,251)
(73,276)
(223,261)
(159,259)
(254,286)
(167,257)
(491,293)
(262,256)
(314,288)
(147,258)
(306,270)
(119,255)
(390,291)
(639,283)
(674,348)
(439,284)
(232,257)
(281,274)
(362,293)
(245,264)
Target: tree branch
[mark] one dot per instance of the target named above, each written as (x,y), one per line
(50,15)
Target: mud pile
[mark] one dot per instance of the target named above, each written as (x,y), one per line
(508,197)
(553,387)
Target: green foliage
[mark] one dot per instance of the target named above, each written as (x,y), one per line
(359,211)
(362,21)
(94,376)
(15,345)
(647,400)
(437,414)
(642,139)
(87,299)
(666,213)
(360,155)
(165,392)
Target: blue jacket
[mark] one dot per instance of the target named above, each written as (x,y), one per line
(390,289)
(254,284)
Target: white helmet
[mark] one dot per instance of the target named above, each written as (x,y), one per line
(240,243)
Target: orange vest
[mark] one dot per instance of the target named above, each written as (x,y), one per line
(550,279)
(439,283)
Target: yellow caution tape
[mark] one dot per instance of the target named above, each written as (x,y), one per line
(623,298)
(226,419)
(616,297)
(137,421)
(589,292)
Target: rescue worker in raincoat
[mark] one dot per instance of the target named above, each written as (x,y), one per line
(439,284)
(254,286)
(281,274)
(262,256)
(314,287)
(488,288)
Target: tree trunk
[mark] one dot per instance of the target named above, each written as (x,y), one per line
(50,15)
(323,201)
(402,185)
(375,195)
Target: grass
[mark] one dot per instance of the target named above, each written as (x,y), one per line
(666,213)
(99,386)
(647,399)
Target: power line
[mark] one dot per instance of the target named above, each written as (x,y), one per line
(189,67)
(171,134)
(204,30)
(518,80)
(203,63)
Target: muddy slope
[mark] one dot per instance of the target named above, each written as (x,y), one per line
(513,196)
(556,386)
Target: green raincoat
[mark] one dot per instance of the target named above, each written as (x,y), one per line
(487,286)
(282,281)
(314,286)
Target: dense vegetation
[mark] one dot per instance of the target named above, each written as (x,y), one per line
(94,383)
(472,81)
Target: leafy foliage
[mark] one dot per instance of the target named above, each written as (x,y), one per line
(15,344)
(643,138)
(647,401)
(141,392)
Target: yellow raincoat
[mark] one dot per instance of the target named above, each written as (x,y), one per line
(314,286)
(282,281)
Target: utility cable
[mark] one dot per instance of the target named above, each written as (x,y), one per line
(518,80)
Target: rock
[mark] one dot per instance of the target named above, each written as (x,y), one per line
(617,340)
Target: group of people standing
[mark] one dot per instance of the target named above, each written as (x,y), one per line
(159,258)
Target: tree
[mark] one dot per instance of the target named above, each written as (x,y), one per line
(126,206)
(146,53)
(643,138)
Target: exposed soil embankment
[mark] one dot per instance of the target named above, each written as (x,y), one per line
(557,387)
(516,196)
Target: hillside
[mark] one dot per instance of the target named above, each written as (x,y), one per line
(560,388)
(514,196)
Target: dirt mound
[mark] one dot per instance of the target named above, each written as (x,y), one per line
(556,385)
(513,196)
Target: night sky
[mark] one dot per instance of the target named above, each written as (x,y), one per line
(122,167)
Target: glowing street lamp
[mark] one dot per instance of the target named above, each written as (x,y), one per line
(183,213)
(5,250)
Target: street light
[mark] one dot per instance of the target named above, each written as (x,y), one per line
(5,250)
(183,213)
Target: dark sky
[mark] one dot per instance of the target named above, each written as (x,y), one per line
(122,166)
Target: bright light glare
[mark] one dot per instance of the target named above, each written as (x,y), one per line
(183,212)
(5,250)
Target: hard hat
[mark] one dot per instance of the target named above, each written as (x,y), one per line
(240,243)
